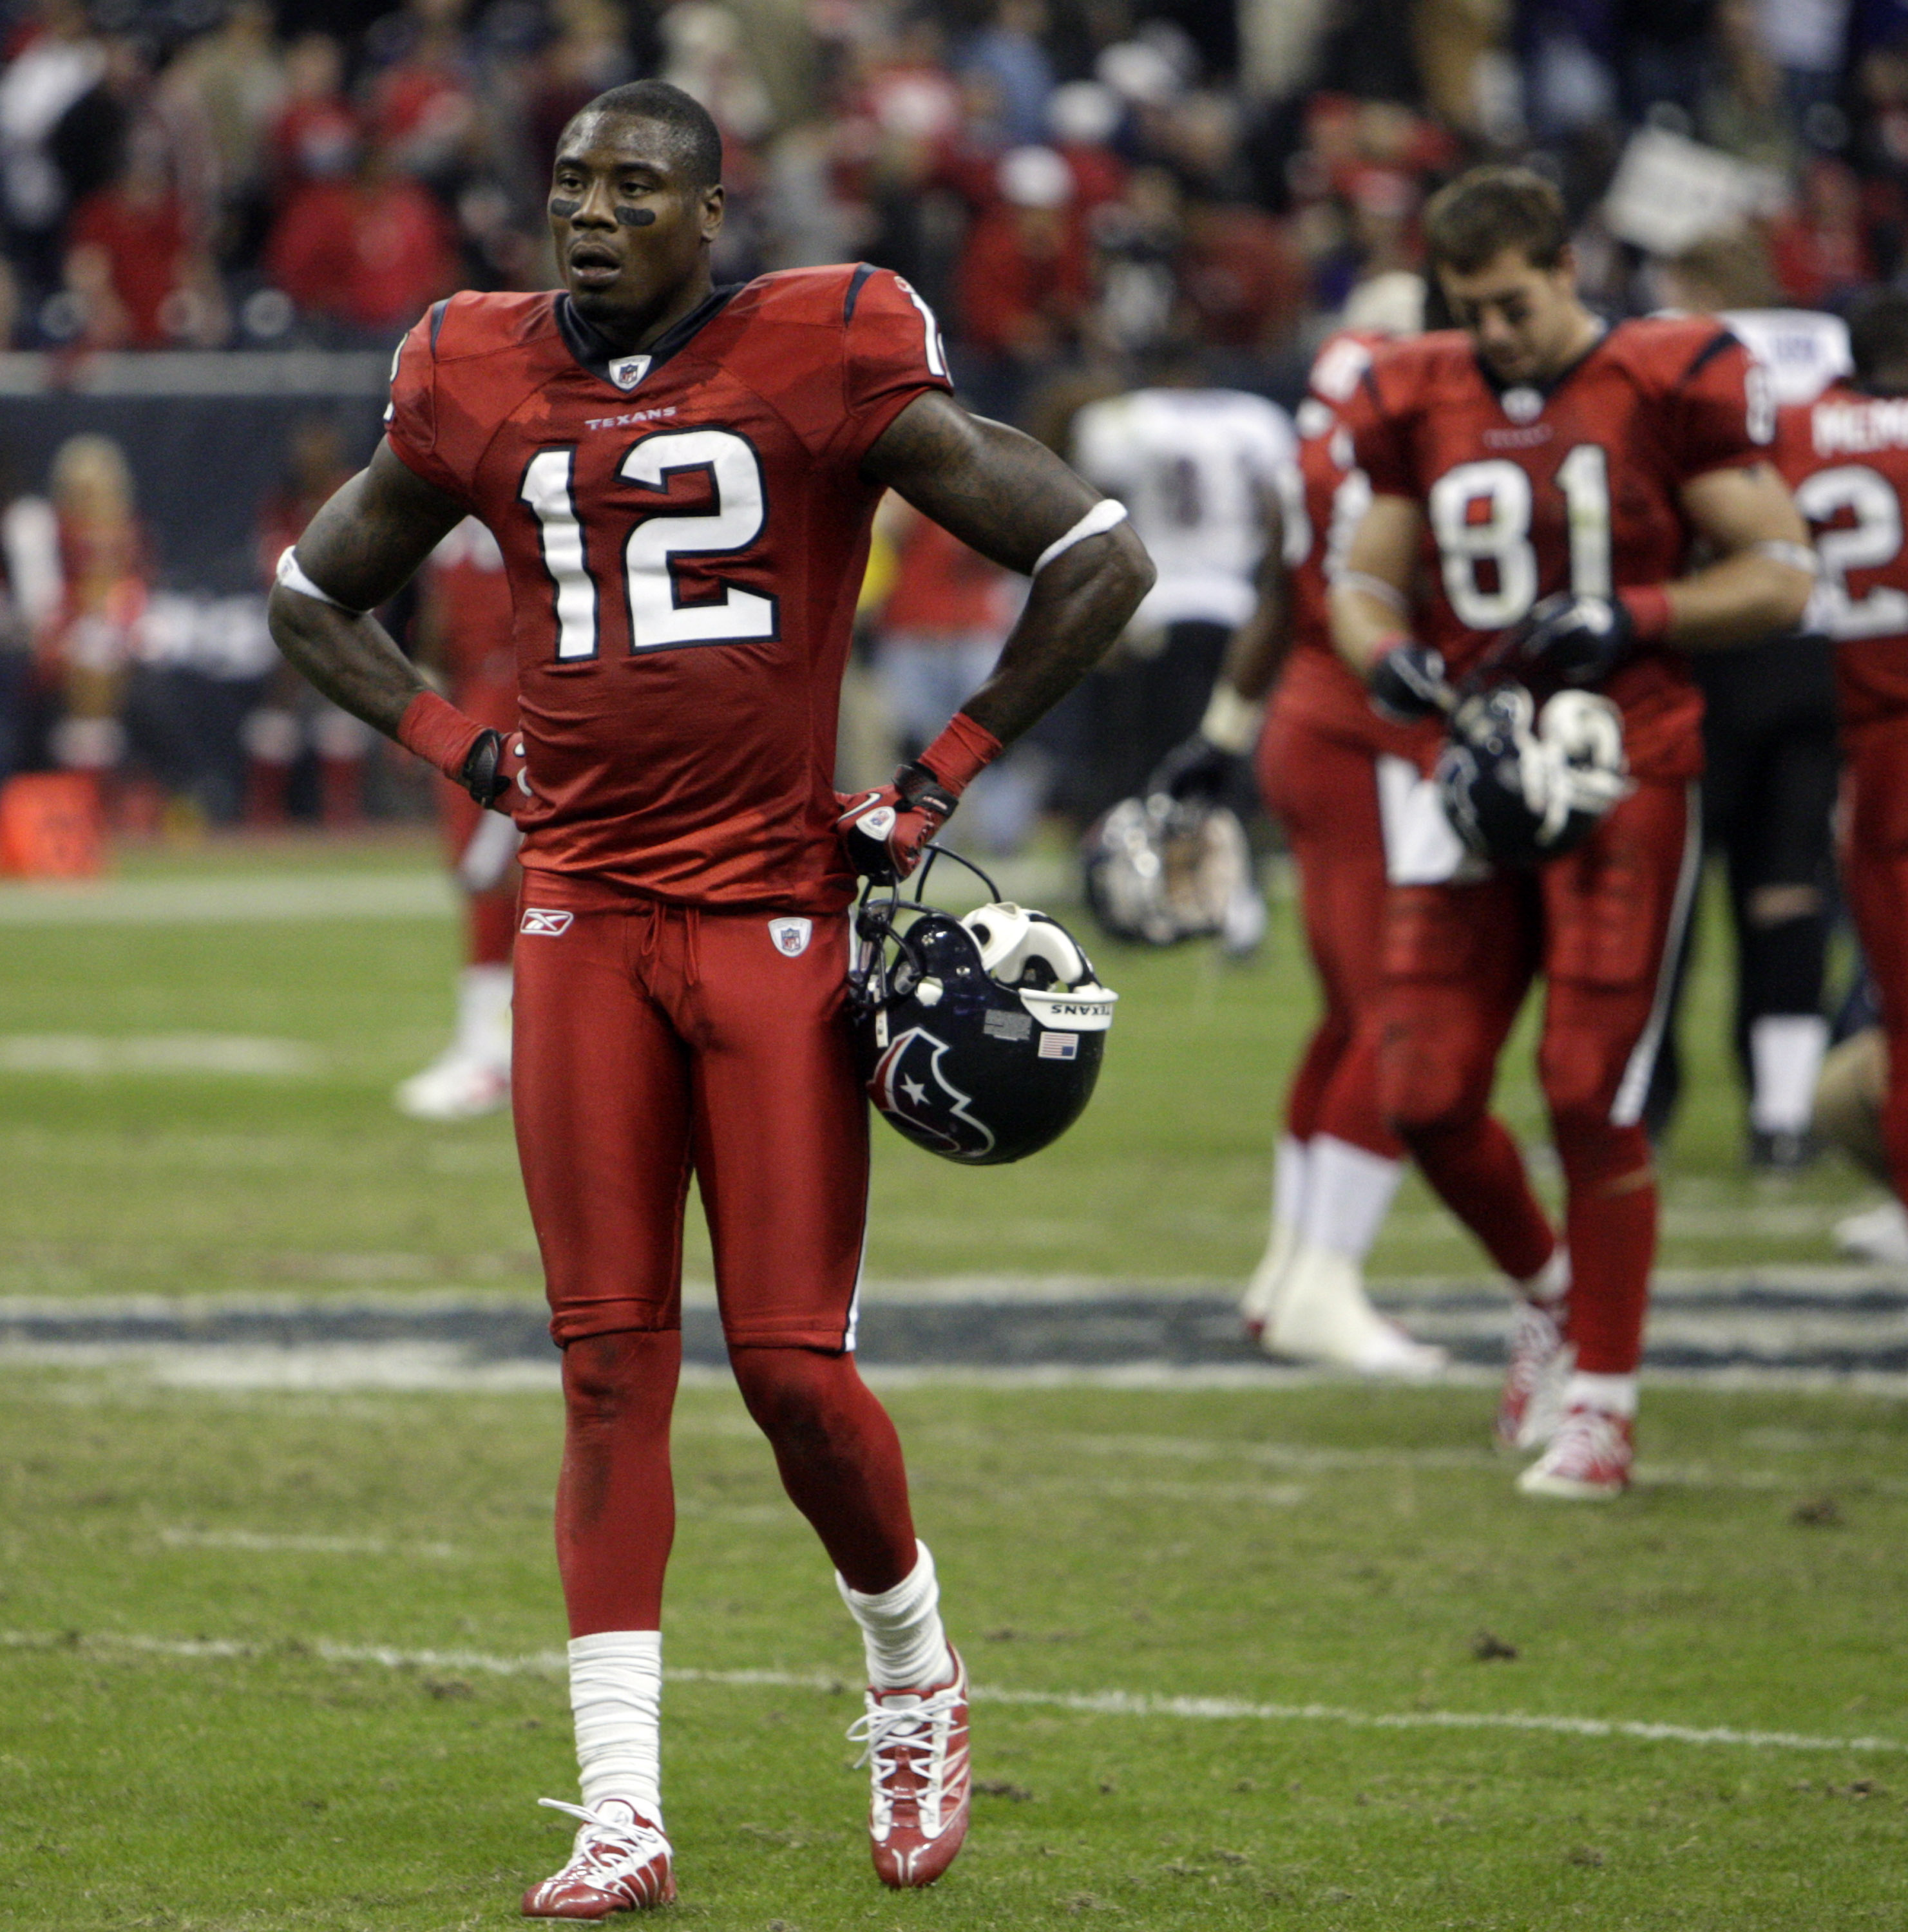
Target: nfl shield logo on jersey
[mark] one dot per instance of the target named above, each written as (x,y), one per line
(628,370)
(791,935)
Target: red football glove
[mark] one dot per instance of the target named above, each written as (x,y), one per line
(883,833)
(488,765)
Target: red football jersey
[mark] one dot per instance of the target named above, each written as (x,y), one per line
(1324,501)
(1845,457)
(471,609)
(1529,491)
(685,532)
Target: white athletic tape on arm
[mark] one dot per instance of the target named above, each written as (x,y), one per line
(1232,722)
(289,574)
(1798,556)
(1374,587)
(1100,518)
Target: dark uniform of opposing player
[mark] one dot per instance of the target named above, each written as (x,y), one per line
(1546,477)
(682,480)
(1846,455)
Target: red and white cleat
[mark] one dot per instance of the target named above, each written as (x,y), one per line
(1588,1460)
(917,1754)
(1530,1410)
(620,1862)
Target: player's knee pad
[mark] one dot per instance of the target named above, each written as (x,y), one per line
(1434,1066)
(1597,1155)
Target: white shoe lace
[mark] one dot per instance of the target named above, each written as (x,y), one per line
(608,1848)
(892,1735)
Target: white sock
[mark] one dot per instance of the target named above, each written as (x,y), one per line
(1615,1395)
(901,1631)
(483,1012)
(1348,1192)
(1551,1282)
(1786,1051)
(1289,1163)
(616,1696)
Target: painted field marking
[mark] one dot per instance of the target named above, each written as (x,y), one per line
(95,1056)
(1095,1703)
(314,1545)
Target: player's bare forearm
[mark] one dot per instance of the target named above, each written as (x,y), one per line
(1008,497)
(1370,598)
(1760,584)
(1255,650)
(352,660)
(361,548)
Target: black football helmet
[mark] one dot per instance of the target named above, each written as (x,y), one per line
(1161,869)
(1520,786)
(979,1039)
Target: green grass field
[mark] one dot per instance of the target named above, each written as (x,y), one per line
(285,1660)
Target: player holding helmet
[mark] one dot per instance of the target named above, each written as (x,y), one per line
(1548,475)
(681,478)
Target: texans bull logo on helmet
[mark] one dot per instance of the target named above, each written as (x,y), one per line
(980,1038)
(908,1084)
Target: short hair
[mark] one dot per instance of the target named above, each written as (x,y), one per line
(1730,270)
(1468,224)
(1878,336)
(695,141)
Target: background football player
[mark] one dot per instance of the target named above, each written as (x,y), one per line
(1324,760)
(465,627)
(681,479)
(1548,475)
(1847,456)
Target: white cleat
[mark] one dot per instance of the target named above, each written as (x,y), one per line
(1260,1303)
(1878,1234)
(1532,1407)
(1588,1460)
(458,1085)
(1324,1315)
(620,1862)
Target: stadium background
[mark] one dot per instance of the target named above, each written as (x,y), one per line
(1257,1648)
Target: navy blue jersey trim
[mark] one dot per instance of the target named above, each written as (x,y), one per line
(861,275)
(594,351)
(437,321)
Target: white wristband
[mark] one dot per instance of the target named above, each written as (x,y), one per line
(1798,556)
(1100,518)
(1231,722)
(1375,587)
(289,574)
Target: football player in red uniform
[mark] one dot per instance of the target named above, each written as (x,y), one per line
(1324,760)
(1845,454)
(466,624)
(681,478)
(1538,479)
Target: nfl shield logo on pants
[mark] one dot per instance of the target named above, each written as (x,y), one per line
(791,935)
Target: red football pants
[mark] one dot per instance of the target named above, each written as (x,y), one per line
(1599,924)
(1323,791)
(652,1042)
(1875,871)
(490,918)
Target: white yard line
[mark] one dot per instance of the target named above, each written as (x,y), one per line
(1097,1703)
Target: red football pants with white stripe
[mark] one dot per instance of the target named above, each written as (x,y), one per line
(652,1042)
(1874,819)
(1600,924)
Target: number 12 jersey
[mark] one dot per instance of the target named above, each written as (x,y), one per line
(685,533)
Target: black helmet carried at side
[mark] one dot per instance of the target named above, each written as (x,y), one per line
(979,1038)
(1520,786)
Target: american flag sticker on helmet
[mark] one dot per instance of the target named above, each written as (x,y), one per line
(1058,1046)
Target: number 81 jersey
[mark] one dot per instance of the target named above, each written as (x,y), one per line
(685,532)
(1575,485)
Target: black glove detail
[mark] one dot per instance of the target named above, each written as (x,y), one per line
(482,775)
(1407,684)
(1577,640)
(1196,769)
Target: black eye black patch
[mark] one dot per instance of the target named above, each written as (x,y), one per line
(564,208)
(636,217)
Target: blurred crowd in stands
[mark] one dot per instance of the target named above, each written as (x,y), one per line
(1075,185)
